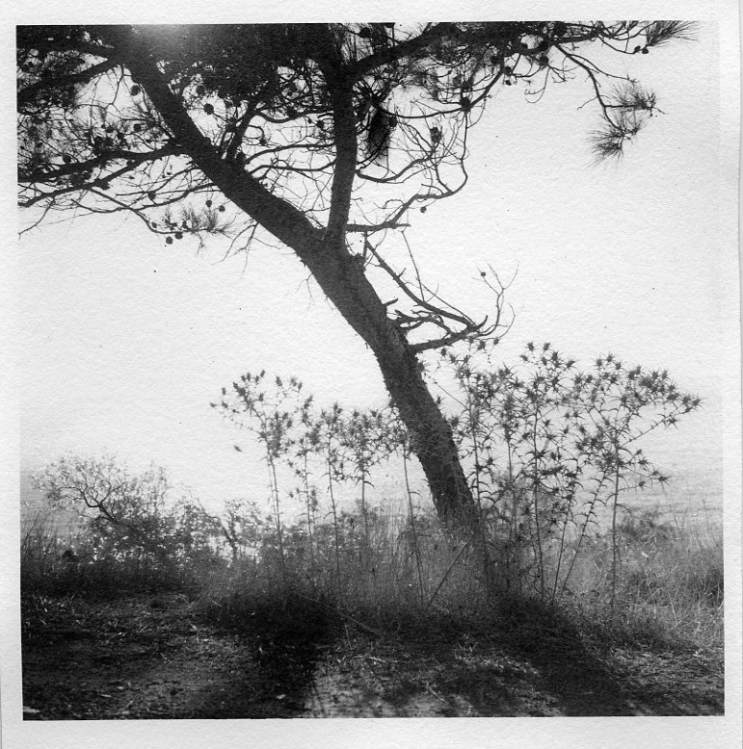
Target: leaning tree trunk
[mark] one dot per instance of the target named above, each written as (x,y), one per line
(333,266)
(431,434)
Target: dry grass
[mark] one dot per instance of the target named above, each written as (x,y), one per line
(392,572)
(670,582)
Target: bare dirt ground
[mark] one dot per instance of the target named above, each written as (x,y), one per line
(146,657)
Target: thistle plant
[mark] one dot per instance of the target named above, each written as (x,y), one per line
(548,446)
(271,418)
(622,404)
(550,450)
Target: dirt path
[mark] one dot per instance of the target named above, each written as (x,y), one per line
(157,658)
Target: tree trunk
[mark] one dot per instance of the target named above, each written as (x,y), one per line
(342,280)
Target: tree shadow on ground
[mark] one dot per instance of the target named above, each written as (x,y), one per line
(528,662)
(284,659)
(286,638)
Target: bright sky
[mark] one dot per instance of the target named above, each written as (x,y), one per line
(124,341)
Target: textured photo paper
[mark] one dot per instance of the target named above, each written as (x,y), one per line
(134,348)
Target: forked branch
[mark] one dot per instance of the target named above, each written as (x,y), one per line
(430,309)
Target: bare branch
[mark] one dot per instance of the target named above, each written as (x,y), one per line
(30,93)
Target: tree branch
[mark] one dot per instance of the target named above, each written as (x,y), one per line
(280,218)
(27,95)
(340,88)
(391,54)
